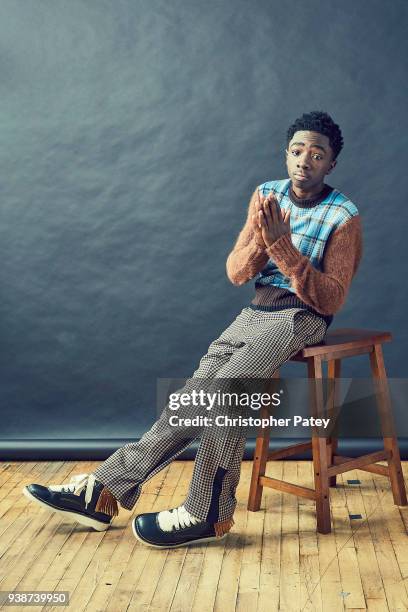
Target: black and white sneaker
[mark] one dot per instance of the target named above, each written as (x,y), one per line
(177,527)
(84,499)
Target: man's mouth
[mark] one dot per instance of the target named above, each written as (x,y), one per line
(301,176)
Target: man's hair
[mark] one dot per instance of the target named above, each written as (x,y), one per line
(318,121)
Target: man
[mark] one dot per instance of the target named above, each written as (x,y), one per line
(302,241)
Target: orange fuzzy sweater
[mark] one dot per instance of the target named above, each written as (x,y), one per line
(323,291)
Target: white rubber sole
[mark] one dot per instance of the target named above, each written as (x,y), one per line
(199,541)
(72,516)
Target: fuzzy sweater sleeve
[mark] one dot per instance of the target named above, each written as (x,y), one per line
(246,258)
(324,290)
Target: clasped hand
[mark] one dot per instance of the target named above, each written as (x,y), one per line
(268,223)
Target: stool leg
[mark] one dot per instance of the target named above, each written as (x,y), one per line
(319,447)
(333,375)
(387,423)
(259,460)
(259,464)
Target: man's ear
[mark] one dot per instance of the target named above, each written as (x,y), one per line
(332,166)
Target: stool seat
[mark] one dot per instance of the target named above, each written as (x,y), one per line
(344,339)
(327,463)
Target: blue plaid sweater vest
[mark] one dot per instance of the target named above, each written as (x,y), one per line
(311,225)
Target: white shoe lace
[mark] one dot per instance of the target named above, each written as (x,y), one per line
(76,485)
(175,519)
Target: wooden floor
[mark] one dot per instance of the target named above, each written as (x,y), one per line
(271,560)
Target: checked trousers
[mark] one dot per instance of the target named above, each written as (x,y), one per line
(255,345)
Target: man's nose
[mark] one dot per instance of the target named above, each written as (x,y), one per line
(302,162)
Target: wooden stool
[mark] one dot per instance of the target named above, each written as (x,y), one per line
(338,344)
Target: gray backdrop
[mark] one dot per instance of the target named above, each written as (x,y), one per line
(132,136)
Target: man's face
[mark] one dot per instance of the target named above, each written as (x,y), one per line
(309,157)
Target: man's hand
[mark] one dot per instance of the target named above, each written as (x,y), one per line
(256,224)
(271,224)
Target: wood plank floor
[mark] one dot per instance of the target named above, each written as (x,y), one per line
(271,560)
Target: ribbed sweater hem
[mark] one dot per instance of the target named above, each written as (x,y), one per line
(269,298)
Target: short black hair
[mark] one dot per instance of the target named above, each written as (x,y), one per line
(318,121)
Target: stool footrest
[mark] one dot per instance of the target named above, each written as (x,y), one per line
(289,450)
(364,462)
(287,487)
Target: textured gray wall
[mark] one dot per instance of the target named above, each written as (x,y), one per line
(132,135)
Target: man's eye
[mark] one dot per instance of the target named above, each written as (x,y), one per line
(317,156)
(295,152)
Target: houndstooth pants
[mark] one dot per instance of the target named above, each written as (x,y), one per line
(255,345)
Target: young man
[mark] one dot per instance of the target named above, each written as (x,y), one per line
(302,241)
